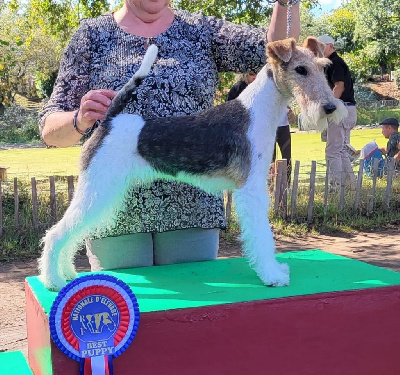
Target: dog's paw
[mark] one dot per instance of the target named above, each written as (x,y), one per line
(70,273)
(54,283)
(278,275)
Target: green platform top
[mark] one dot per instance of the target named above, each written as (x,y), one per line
(14,363)
(225,281)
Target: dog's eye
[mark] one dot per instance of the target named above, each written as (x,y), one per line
(301,70)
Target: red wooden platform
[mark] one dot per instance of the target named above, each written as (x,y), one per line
(339,316)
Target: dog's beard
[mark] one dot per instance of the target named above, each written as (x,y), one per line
(313,116)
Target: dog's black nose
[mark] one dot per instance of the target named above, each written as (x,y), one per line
(329,108)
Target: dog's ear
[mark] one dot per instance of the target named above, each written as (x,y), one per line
(281,49)
(315,46)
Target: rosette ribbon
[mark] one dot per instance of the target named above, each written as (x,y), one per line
(93,320)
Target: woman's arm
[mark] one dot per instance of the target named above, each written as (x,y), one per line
(278,26)
(72,92)
(58,129)
(240,48)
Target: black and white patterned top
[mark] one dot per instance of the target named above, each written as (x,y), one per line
(183,81)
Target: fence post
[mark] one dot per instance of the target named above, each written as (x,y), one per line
(284,186)
(281,188)
(359,185)
(35,215)
(1,211)
(342,187)
(278,185)
(294,189)
(390,173)
(326,191)
(70,180)
(311,191)
(53,202)
(16,202)
(373,192)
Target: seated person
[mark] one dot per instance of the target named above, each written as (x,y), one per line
(390,130)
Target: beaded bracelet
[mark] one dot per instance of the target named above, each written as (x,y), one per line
(88,131)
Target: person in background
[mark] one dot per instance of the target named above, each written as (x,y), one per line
(167,222)
(338,134)
(240,85)
(390,130)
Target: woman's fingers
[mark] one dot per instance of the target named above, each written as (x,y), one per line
(94,105)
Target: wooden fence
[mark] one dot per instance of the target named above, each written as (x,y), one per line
(296,202)
(361,199)
(37,224)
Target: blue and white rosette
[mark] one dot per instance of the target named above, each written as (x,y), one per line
(93,320)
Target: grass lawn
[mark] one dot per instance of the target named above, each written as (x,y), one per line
(307,146)
(42,162)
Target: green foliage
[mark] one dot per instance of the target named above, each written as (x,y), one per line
(92,8)
(367,34)
(239,11)
(34,33)
(378,28)
(55,18)
(18,125)
(364,94)
(341,26)
(366,115)
(45,83)
(226,81)
(362,66)
(24,50)
(60,18)
(23,240)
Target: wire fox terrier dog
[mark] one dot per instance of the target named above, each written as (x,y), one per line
(228,147)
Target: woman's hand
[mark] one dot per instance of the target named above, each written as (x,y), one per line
(94,105)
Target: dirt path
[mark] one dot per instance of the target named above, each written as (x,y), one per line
(379,248)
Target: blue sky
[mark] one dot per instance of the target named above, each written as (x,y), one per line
(327,5)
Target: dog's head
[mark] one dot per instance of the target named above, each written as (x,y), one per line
(299,71)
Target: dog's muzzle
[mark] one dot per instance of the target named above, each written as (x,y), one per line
(329,108)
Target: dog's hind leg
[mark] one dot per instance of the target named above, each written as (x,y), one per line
(97,197)
(61,242)
(251,204)
(89,210)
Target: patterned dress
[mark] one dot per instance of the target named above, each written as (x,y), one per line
(183,81)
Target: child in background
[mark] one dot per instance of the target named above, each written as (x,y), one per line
(390,130)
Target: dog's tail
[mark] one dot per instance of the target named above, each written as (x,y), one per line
(125,94)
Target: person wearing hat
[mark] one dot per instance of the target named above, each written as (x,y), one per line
(338,134)
(390,130)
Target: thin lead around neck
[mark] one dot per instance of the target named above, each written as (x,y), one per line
(289,20)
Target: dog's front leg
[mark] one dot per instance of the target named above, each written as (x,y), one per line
(251,204)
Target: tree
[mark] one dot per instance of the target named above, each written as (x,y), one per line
(34,35)
(60,18)
(377,29)
(340,25)
(24,51)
